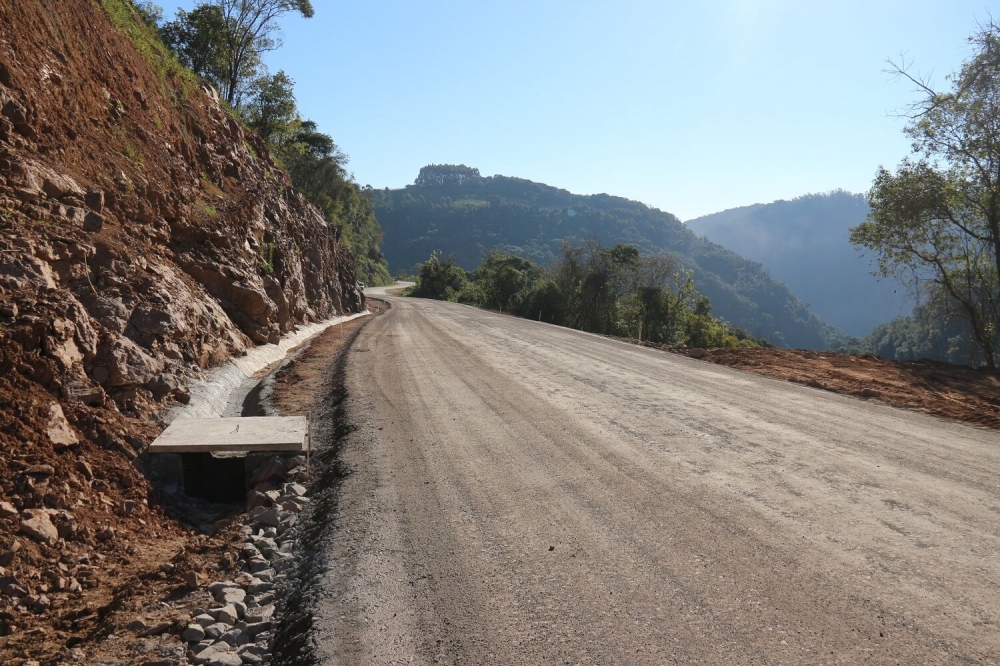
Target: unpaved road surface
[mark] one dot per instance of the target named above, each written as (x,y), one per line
(526,494)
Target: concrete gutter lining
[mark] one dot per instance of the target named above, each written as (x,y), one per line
(212,396)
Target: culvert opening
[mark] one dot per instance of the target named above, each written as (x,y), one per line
(218,478)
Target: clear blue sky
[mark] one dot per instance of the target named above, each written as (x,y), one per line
(692,107)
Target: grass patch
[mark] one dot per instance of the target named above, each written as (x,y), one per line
(146,39)
(267,258)
(206,208)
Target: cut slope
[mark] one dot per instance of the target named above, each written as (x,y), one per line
(144,237)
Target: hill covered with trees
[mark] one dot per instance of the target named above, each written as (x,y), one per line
(456,210)
(805,243)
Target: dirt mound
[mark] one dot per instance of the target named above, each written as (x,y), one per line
(144,238)
(950,391)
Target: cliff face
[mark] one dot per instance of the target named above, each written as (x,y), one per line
(144,237)
(144,232)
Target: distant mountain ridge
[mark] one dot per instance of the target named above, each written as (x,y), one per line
(804,242)
(456,210)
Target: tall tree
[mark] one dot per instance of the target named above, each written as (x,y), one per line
(198,39)
(251,28)
(150,12)
(271,109)
(937,218)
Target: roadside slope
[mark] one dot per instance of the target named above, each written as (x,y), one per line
(521,493)
(145,238)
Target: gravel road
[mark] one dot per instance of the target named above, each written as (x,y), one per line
(526,494)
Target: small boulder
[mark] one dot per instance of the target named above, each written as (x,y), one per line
(7,557)
(58,429)
(58,186)
(204,620)
(193,633)
(235,637)
(296,489)
(93,222)
(256,628)
(157,629)
(231,595)
(229,614)
(225,659)
(124,363)
(7,510)
(221,585)
(193,580)
(257,499)
(84,468)
(38,526)
(213,631)
(271,517)
(697,353)
(10,586)
(273,469)
(95,200)
(259,614)
(258,564)
(15,113)
(85,391)
(259,587)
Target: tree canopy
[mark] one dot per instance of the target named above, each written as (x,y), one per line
(935,221)
(607,290)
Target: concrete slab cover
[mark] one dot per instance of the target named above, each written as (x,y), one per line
(262,433)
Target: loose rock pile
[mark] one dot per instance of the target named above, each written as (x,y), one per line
(235,627)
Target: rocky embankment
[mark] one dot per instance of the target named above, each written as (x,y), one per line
(236,626)
(145,237)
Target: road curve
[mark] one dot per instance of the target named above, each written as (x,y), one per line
(526,494)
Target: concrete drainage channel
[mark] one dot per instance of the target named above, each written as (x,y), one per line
(260,616)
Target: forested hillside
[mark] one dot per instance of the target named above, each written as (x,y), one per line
(456,210)
(805,243)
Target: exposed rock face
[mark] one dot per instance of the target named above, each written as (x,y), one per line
(144,237)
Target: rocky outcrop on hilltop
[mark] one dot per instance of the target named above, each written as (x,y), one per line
(145,237)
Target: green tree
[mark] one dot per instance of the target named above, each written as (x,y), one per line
(271,109)
(440,278)
(653,290)
(150,12)
(251,28)
(505,281)
(222,41)
(936,219)
(198,39)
